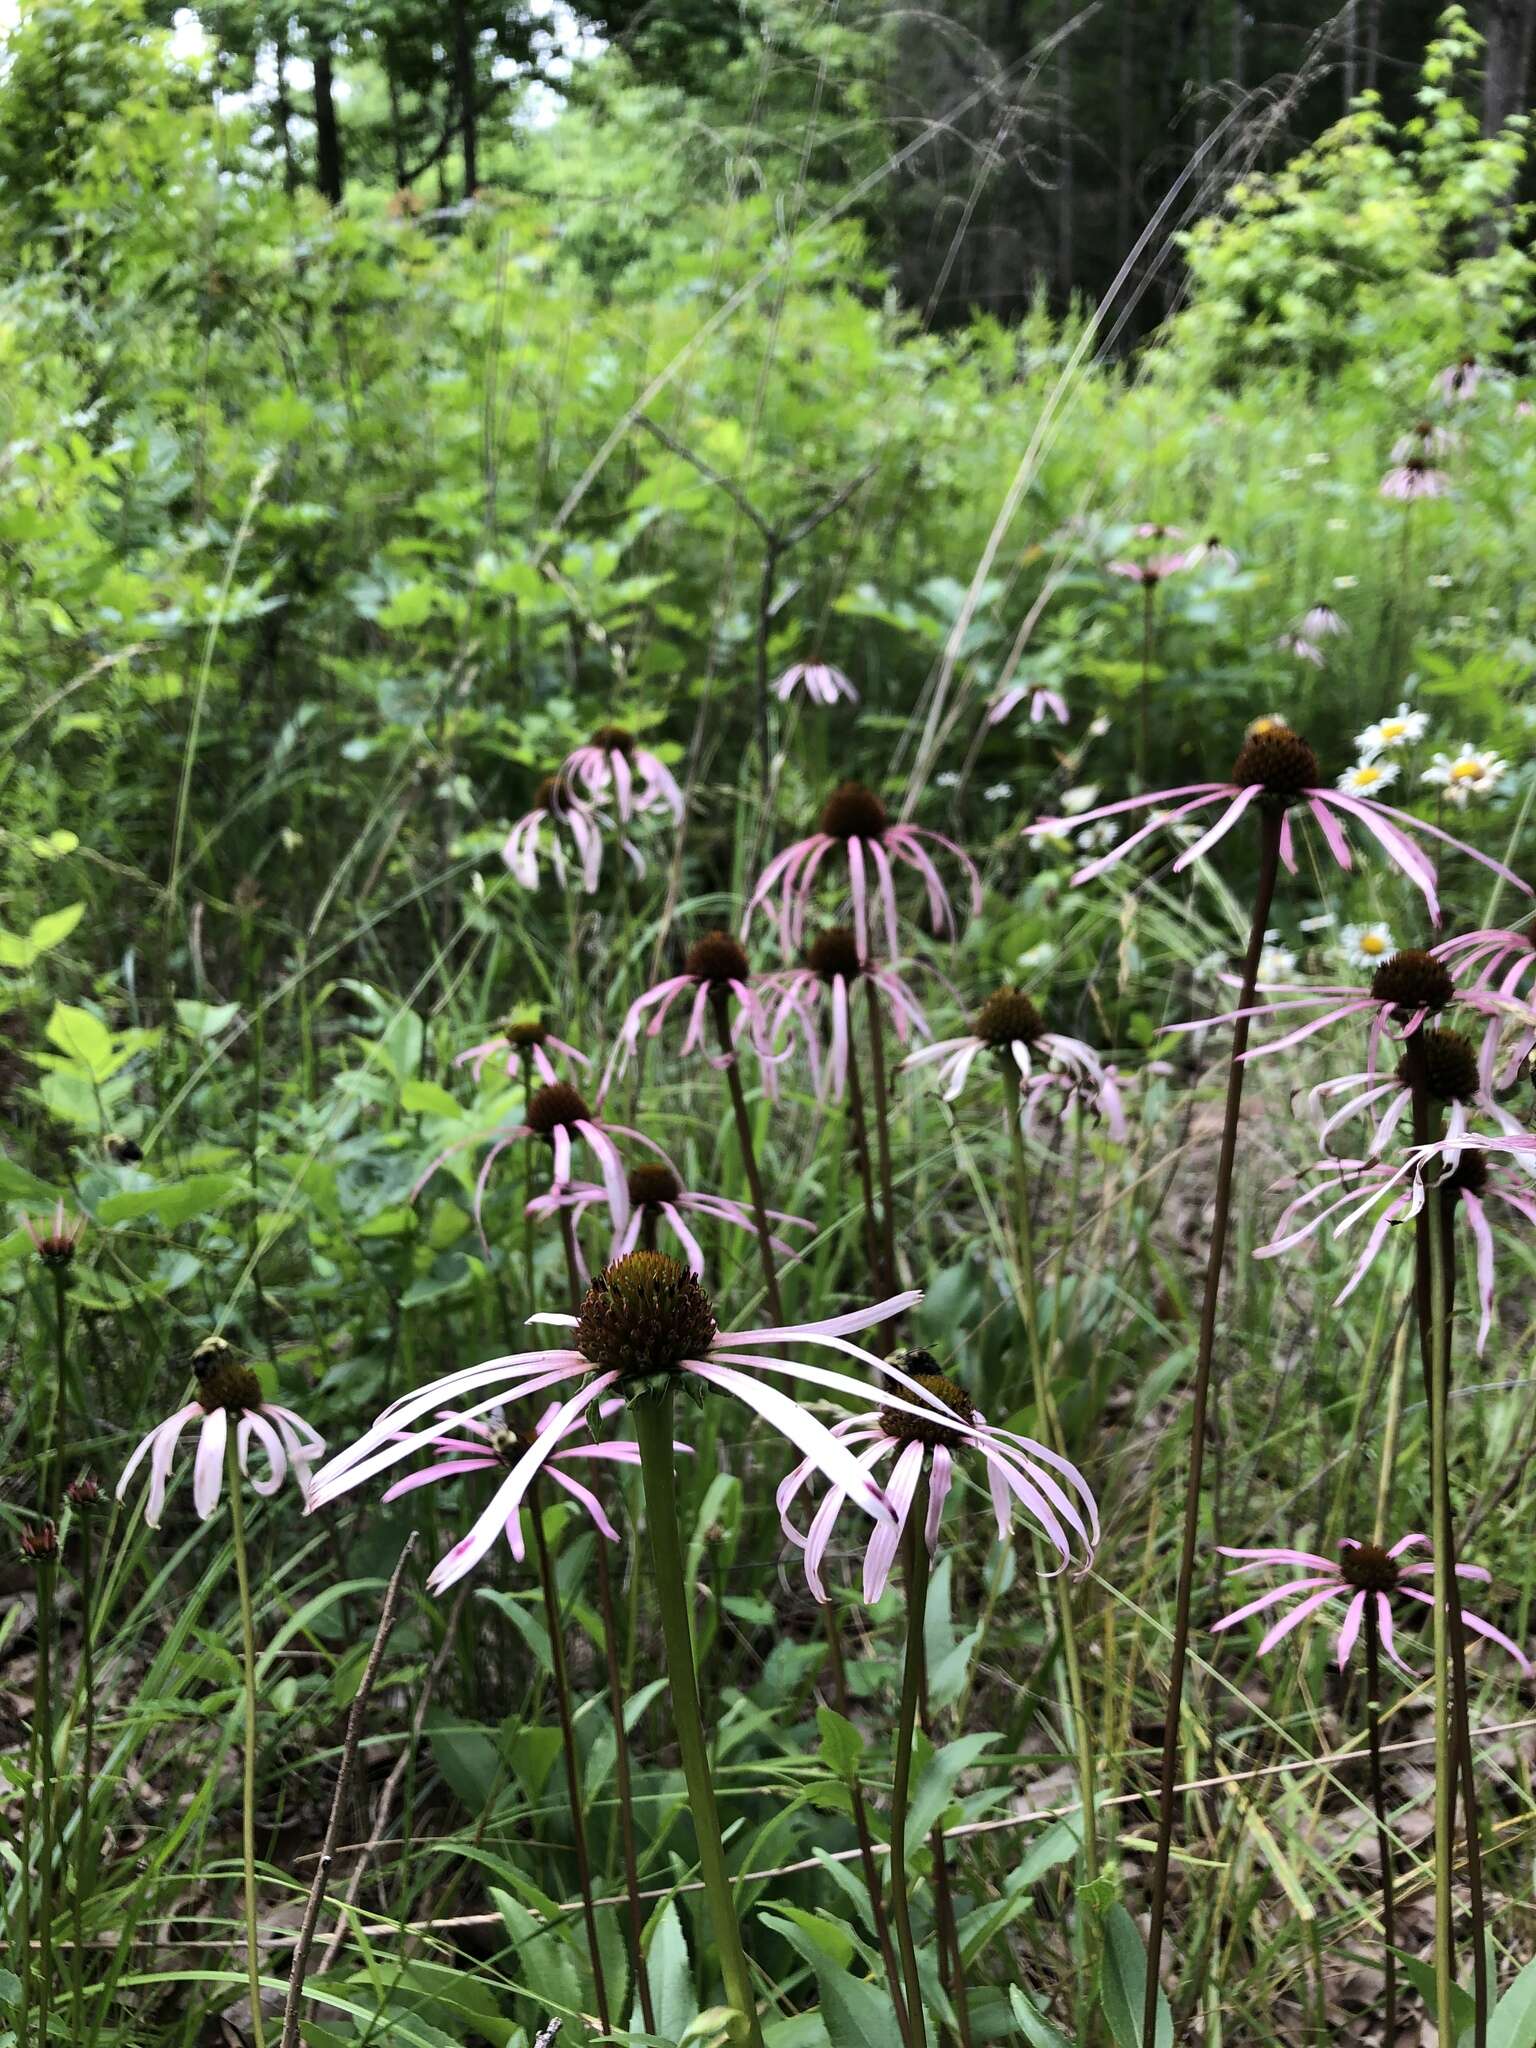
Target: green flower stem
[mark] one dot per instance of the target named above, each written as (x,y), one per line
(1445,1772)
(652,1419)
(46,1568)
(1434,1287)
(622,1781)
(1052,1434)
(901,1791)
(248,1773)
(720,1009)
(568,1748)
(1379,1807)
(87,1767)
(1270,822)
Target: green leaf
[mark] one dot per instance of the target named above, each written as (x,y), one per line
(83,1038)
(671,1974)
(206,1020)
(842,1746)
(173,1203)
(10,1989)
(1123,1983)
(1035,2028)
(468,1760)
(718,2023)
(45,934)
(426,1098)
(1512,2023)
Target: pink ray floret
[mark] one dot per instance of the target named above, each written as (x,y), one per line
(822,683)
(644,1308)
(519,1045)
(612,769)
(1041,701)
(813,1007)
(1052,1068)
(716,976)
(856,824)
(1361,1572)
(228,1394)
(1277,768)
(657,1196)
(932,1421)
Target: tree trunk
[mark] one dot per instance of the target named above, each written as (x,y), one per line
(1505,60)
(328,167)
(464,79)
(1372,42)
(1126,97)
(1064,251)
(282,111)
(396,127)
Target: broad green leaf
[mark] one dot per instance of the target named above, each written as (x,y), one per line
(82,1038)
(1512,2023)
(671,1974)
(842,1746)
(1123,1983)
(1033,2025)
(205,1020)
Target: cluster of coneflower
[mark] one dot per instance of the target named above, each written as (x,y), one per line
(639,1326)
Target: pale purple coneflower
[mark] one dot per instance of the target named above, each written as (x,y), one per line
(856,820)
(644,1321)
(227,1392)
(557,813)
(1212,549)
(1414,479)
(1302,649)
(658,1196)
(820,681)
(1453,1080)
(558,1113)
(1360,1572)
(1409,988)
(479,1445)
(522,1041)
(1153,529)
(940,1425)
(1426,442)
(1155,570)
(1322,622)
(56,1240)
(819,993)
(1345,1192)
(716,979)
(1489,967)
(1457,380)
(1276,769)
(1049,1064)
(1040,699)
(613,763)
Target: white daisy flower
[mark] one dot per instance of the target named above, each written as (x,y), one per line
(1469,772)
(1366,945)
(950,779)
(1277,963)
(1401,729)
(997,792)
(1367,778)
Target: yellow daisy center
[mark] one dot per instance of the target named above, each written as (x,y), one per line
(1466,771)
(1372,942)
(1365,778)
(1393,728)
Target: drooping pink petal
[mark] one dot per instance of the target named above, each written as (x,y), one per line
(208,1464)
(809,1436)
(885,1538)
(1308,1606)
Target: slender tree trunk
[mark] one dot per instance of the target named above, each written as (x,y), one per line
(1506,58)
(464,82)
(1349,30)
(282,110)
(1126,97)
(1066,195)
(328,166)
(396,123)
(1372,42)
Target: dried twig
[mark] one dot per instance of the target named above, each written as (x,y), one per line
(344,1771)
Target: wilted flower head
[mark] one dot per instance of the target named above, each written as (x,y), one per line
(1303,649)
(1424,442)
(940,1426)
(559,814)
(228,1392)
(1457,380)
(83,1491)
(1361,1572)
(822,683)
(55,1241)
(1414,479)
(1322,622)
(40,1541)
(1212,549)
(645,1321)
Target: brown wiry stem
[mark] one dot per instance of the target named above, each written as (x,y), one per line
(1270,821)
(623,1783)
(944,1908)
(878,1337)
(1379,1807)
(862,1831)
(1438,1215)
(719,1003)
